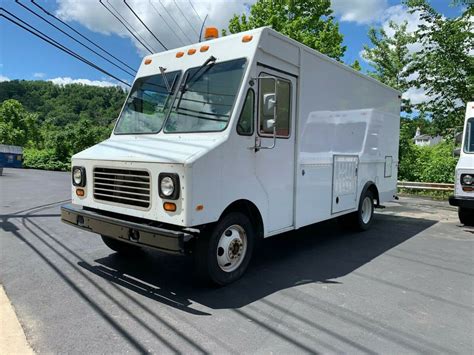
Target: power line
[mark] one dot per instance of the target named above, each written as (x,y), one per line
(144,46)
(186,18)
(130,26)
(56,44)
(80,34)
(192,6)
(143,23)
(176,23)
(166,22)
(74,39)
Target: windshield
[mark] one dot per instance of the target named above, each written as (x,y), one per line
(469,139)
(204,102)
(147,105)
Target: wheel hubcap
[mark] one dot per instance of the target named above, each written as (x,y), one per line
(367,210)
(231,248)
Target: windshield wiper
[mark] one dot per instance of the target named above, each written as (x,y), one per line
(186,79)
(210,60)
(165,79)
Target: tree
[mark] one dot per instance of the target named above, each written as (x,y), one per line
(17,126)
(308,21)
(389,55)
(445,65)
(356,65)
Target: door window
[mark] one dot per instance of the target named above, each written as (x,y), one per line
(245,125)
(283,107)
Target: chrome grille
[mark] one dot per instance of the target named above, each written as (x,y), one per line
(127,187)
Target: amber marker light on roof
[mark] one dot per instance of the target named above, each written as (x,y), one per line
(179,54)
(211,33)
(247,38)
(147,61)
(204,48)
(191,51)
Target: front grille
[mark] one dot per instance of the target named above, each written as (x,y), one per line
(127,187)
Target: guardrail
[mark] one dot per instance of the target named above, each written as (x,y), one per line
(411,185)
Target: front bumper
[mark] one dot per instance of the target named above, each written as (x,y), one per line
(166,240)
(464,202)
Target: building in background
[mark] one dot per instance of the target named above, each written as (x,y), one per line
(11,156)
(423,140)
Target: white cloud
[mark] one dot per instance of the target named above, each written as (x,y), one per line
(399,14)
(4,78)
(39,75)
(169,24)
(68,80)
(359,11)
(416,95)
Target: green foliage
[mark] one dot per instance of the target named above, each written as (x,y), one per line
(356,65)
(445,65)
(44,159)
(68,119)
(389,56)
(308,21)
(427,164)
(17,126)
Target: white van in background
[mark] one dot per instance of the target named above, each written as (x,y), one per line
(464,179)
(223,143)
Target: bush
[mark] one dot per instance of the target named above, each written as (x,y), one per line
(45,159)
(427,164)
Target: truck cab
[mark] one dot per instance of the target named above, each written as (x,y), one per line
(222,143)
(464,178)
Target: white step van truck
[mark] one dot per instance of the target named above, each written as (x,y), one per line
(225,142)
(464,178)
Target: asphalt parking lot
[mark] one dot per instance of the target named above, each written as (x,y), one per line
(405,286)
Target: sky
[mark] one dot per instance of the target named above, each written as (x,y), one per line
(175,22)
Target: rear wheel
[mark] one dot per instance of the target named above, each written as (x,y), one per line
(361,220)
(120,247)
(466,216)
(223,254)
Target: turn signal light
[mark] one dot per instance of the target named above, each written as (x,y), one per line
(247,38)
(179,54)
(80,192)
(147,61)
(169,206)
(199,207)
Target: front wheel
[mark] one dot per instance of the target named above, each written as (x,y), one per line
(223,254)
(466,216)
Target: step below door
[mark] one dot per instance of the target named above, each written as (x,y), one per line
(344,182)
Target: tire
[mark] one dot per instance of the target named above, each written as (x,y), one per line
(121,247)
(223,254)
(466,216)
(362,219)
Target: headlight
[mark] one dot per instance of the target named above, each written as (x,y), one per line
(79,176)
(169,186)
(466,179)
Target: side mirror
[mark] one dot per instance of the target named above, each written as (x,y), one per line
(269,102)
(269,125)
(457,152)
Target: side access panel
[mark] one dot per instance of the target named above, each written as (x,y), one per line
(344,182)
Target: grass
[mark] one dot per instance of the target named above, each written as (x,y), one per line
(435,195)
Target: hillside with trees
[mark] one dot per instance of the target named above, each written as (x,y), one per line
(52,122)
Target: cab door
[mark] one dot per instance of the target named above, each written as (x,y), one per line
(275,161)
